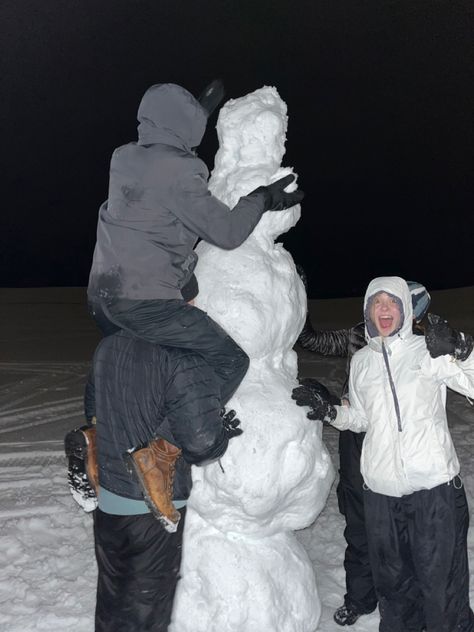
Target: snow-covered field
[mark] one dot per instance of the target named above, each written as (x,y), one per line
(47,567)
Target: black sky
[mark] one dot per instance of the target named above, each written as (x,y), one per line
(380,102)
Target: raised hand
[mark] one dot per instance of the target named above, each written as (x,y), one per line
(442,339)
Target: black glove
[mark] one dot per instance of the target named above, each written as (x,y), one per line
(275,197)
(442,339)
(315,395)
(231,423)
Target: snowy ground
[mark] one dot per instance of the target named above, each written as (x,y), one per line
(47,568)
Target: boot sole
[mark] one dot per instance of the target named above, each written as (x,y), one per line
(75,448)
(75,444)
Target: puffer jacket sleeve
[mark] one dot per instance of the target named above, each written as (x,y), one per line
(192,407)
(211,219)
(89,397)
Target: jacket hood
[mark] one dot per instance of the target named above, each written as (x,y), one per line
(397,287)
(169,114)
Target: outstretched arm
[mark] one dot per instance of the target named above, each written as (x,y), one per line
(333,342)
(214,222)
(452,355)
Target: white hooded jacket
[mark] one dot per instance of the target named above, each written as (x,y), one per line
(400,402)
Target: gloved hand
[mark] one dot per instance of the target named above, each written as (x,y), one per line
(275,197)
(442,339)
(231,423)
(315,395)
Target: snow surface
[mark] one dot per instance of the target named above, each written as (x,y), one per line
(47,565)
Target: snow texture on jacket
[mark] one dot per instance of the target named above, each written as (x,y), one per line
(159,205)
(411,450)
(139,391)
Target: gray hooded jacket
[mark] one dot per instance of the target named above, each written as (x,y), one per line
(159,205)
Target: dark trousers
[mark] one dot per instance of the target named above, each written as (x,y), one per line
(418,551)
(175,323)
(138,563)
(360,595)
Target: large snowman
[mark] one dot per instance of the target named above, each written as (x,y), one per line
(243,569)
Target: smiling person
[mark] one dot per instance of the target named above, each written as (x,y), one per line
(414,502)
(386,313)
(360,597)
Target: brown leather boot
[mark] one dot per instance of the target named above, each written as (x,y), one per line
(155,467)
(83,475)
(92,467)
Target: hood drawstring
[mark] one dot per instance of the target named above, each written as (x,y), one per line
(392,387)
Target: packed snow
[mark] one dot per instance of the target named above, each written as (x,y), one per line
(240,554)
(48,574)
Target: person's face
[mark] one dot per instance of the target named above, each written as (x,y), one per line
(385,314)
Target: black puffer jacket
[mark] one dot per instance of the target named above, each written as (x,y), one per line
(159,204)
(139,391)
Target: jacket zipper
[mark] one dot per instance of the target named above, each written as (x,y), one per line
(392,387)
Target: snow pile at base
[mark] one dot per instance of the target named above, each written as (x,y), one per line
(243,568)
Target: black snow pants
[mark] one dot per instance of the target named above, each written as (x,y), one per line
(418,551)
(175,323)
(138,563)
(360,595)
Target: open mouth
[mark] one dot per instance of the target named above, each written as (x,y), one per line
(385,322)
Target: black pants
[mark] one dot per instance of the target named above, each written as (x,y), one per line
(175,323)
(138,563)
(360,595)
(418,551)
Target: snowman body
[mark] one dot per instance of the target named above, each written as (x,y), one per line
(243,569)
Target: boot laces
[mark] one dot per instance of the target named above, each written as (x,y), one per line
(171,477)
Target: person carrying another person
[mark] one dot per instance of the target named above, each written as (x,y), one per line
(158,206)
(160,405)
(415,505)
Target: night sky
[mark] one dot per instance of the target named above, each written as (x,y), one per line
(380,103)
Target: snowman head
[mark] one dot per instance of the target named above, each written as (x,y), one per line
(252,131)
